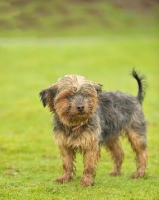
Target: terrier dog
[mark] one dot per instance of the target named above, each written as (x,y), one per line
(85,117)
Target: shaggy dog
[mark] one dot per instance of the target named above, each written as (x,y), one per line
(85,117)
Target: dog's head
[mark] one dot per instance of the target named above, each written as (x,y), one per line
(73,98)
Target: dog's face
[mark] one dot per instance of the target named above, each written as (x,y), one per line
(73,98)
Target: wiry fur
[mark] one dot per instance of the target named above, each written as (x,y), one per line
(85,118)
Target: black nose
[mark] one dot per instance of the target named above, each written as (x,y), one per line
(80,107)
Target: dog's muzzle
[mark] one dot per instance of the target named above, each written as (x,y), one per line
(80,108)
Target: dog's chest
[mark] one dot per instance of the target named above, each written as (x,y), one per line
(76,139)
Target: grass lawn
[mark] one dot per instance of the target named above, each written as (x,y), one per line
(30,159)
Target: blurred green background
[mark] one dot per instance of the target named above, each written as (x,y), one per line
(77,17)
(41,41)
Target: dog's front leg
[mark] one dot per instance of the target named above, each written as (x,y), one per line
(91,158)
(68,156)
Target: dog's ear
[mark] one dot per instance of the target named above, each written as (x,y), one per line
(48,95)
(43,97)
(98,88)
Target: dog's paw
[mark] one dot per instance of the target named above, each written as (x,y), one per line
(63,179)
(114,173)
(87,181)
(138,175)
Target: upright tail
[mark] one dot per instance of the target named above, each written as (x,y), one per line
(142,85)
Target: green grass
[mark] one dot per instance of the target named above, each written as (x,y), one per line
(30,159)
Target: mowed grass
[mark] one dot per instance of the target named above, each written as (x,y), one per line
(29,157)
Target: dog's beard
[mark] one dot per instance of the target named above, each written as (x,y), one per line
(74,119)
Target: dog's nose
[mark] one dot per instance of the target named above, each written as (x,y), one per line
(80,107)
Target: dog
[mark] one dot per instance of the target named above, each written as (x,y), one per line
(85,118)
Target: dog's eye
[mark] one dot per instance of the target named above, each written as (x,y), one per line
(82,93)
(68,97)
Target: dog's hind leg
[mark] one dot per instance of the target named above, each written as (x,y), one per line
(138,143)
(117,155)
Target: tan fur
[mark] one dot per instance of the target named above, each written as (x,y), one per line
(91,158)
(86,143)
(82,141)
(139,147)
(66,87)
(117,154)
(68,155)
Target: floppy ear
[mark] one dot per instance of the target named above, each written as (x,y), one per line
(98,88)
(47,96)
(43,98)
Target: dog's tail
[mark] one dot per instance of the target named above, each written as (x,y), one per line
(142,84)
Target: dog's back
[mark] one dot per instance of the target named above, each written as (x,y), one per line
(121,111)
